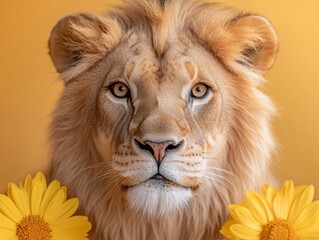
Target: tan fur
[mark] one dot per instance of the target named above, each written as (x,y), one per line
(160,50)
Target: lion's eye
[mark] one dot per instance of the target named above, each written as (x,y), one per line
(199,90)
(120,90)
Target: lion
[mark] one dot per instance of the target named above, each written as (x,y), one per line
(161,123)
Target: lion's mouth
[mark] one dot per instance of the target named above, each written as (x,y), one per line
(157,178)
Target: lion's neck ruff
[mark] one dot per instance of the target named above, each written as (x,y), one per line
(175,73)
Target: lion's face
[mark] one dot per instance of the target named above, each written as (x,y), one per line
(161,108)
(161,122)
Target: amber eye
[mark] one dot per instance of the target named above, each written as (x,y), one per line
(120,90)
(199,90)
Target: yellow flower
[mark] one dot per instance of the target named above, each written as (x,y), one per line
(285,214)
(35,211)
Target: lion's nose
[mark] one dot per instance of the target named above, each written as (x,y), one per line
(158,149)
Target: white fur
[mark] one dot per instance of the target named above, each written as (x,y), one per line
(155,198)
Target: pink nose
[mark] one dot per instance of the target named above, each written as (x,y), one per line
(159,149)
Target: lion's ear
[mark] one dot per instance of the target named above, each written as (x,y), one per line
(254,42)
(243,40)
(78,41)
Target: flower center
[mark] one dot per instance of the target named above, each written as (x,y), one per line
(278,229)
(33,228)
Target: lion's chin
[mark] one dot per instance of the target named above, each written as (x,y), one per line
(156,198)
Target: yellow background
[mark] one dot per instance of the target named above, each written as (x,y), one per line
(29,85)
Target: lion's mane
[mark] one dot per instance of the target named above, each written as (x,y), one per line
(245,46)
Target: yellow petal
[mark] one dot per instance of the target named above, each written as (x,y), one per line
(301,201)
(299,190)
(28,185)
(38,188)
(283,200)
(66,210)
(7,234)
(287,192)
(269,192)
(242,232)
(9,194)
(39,177)
(74,225)
(21,199)
(5,222)
(54,205)
(225,229)
(309,234)
(308,217)
(259,207)
(243,216)
(49,193)
(9,209)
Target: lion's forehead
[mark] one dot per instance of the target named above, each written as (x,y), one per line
(147,63)
(151,69)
